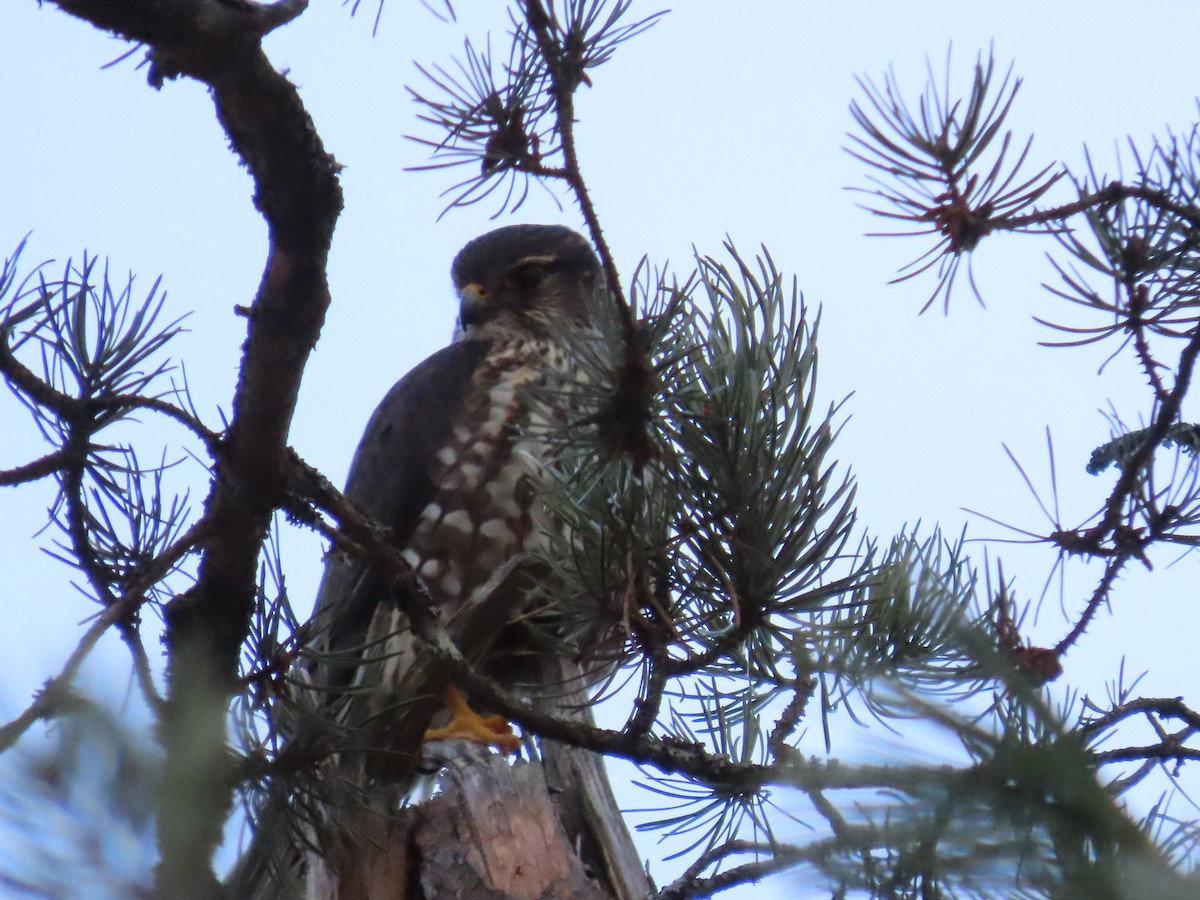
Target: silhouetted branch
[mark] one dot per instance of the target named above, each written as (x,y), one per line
(58,691)
(296,189)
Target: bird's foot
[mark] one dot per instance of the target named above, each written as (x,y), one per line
(468,725)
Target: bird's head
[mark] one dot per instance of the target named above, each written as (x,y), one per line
(524,278)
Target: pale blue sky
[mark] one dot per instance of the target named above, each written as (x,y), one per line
(713,123)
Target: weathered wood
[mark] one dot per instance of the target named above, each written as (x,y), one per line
(492,834)
(582,796)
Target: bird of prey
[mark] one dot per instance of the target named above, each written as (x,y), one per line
(450,466)
(450,463)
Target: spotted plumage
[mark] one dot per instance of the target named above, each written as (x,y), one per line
(448,462)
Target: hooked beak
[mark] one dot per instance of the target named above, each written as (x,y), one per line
(475,307)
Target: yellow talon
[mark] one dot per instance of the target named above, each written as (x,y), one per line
(468,725)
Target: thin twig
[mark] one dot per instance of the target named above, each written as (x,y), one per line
(52,698)
(564,84)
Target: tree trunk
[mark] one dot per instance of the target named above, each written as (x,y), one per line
(491,833)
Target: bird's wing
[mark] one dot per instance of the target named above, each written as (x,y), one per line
(391,480)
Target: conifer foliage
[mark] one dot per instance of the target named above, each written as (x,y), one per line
(709,564)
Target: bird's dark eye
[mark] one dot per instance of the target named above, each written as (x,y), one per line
(527,276)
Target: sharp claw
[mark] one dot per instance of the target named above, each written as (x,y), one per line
(466,724)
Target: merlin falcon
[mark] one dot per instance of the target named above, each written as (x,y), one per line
(449,465)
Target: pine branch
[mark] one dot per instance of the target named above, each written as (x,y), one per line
(297,191)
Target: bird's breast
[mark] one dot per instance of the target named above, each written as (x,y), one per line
(484,509)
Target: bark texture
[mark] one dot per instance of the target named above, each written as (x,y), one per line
(491,833)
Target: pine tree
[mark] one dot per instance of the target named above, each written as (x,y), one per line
(710,548)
